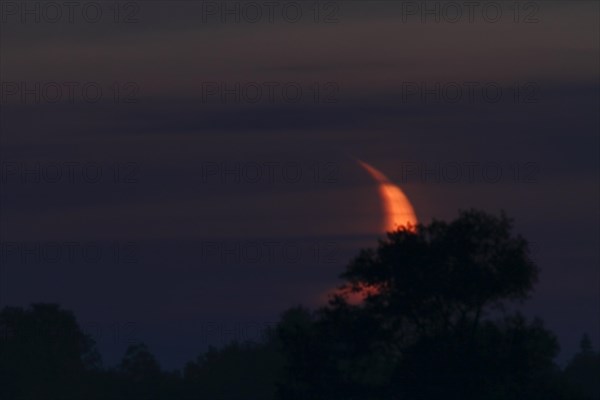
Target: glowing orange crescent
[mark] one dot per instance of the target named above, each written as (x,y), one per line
(399,213)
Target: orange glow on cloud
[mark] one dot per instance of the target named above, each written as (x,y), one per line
(352,298)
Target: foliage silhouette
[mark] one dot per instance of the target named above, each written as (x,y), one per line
(43,353)
(425,328)
(244,371)
(583,371)
(435,323)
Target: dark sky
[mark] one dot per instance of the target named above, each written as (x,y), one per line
(164,210)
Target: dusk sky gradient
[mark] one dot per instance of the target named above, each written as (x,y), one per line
(178,214)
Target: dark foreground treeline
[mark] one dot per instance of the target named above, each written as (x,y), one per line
(433,324)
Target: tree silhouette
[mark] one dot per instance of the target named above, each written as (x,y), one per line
(43,353)
(140,373)
(584,370)
(435,323)
(139,364)
(239,371)
(425,327)
(444,274)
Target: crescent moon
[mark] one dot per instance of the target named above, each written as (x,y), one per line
(399,212)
